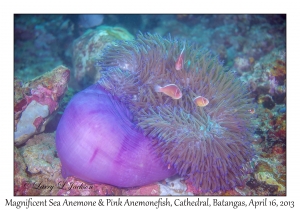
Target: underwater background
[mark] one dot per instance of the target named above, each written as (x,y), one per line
(55,56)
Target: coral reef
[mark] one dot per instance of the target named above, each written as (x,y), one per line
(39,155)
(36,102)
(32,117)
(268,85)
(243,64)
(42,167)
(270,169)
(174,186)
(87,48)
(253,46)
(20,176)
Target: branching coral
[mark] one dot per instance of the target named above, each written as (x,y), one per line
(209,145)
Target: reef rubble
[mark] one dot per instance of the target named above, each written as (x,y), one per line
(36,101)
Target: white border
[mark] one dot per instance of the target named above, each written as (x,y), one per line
(153,6)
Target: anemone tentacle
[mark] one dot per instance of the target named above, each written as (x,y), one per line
(209,145)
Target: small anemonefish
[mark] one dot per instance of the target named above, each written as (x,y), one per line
(171,90)
(201,101)
(180,61)
(169,166)
(252,111)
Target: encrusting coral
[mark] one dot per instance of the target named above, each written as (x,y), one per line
(209,145)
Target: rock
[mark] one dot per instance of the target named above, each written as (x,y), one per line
(42,164)
(87,48)
(174,186)
(36,102)
(242,64)
(31,118)
(20,176)
(269,179)
(39,155)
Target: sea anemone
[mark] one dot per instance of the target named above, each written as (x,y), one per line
(211,145)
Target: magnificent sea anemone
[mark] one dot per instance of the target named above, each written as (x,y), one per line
(209,145)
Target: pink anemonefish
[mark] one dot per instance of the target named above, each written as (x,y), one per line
(180,61)
(252,111)
(171,90)
(201,101)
